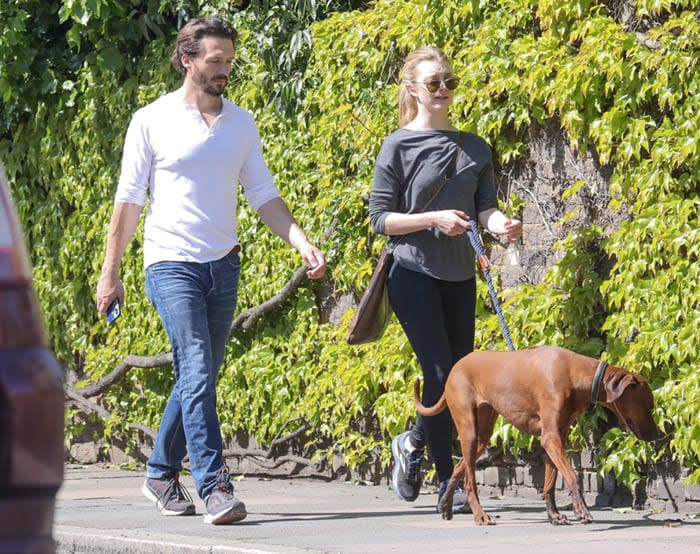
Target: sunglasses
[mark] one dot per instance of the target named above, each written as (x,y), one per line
(433,86)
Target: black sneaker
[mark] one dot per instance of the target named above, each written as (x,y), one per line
(169,495)
(222,506)
(459,499)
(406,476)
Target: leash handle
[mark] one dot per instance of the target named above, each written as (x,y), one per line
(485,265)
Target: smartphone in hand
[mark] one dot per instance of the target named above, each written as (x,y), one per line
(114,311)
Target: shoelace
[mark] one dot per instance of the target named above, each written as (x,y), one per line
(223,480)
(414,462)
(177,489)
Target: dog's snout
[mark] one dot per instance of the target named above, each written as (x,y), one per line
(652,436)
(646,430)
(648,433)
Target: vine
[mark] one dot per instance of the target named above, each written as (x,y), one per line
(622,84)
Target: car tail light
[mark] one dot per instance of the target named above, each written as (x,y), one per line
(21,322)
(14,262)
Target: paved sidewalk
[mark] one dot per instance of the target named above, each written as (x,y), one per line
(102,511)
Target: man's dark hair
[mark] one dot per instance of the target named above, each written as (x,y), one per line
(190,37)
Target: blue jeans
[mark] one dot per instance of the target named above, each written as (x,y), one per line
(196,302)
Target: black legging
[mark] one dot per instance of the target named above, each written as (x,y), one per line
(438,319)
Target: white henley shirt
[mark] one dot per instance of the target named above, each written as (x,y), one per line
(191,172)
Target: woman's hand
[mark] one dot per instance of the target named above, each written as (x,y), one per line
(451,222)
(498,223)
(513,229)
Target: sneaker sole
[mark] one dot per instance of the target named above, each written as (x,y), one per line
(232,515)
(153,498)
(397,466)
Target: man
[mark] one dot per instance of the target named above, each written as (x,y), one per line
(187,151)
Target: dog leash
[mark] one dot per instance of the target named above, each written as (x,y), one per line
(485,265)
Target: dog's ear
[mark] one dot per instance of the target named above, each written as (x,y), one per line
(617,382)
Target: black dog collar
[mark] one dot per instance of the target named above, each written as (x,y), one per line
(597,380)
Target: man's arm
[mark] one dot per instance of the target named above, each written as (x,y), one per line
(280,220)
(125,219)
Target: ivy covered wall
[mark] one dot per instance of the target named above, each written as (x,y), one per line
(617,81)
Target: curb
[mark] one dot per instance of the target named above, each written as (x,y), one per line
(74,540)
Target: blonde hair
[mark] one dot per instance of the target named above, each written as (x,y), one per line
(408,107)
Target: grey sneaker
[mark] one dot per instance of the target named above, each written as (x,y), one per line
(222,506)
(459,499)
(169,495)
(406,476)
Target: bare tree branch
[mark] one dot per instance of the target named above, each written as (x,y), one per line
(117,374)
(88,406)
(277,441)
(267,463)
(249,318)
(266,458)
(542,214)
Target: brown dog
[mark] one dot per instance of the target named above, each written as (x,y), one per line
(540,391)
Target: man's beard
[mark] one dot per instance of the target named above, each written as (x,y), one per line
(209,86)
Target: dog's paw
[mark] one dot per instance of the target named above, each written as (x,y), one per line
(445,508)
(484,519)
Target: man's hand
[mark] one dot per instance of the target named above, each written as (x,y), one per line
(109,287)
(125,218)
(314,260)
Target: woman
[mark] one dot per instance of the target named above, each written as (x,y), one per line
(432,286)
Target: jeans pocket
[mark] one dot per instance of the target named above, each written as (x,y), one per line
(234,259)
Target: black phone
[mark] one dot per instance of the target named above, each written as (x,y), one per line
(114,311)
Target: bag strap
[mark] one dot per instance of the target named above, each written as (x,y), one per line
(455,162)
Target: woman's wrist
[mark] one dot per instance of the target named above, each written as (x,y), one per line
(430,220)
(497,222)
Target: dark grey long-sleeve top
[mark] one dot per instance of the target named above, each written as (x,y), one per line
(409,168)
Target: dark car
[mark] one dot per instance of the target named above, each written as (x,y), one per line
(31,401)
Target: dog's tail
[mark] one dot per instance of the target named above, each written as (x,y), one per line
(435,409)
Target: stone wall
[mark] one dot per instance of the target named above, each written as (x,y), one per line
(665,488)
(498,474)
(541,180)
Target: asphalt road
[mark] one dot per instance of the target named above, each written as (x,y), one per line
(101,511)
